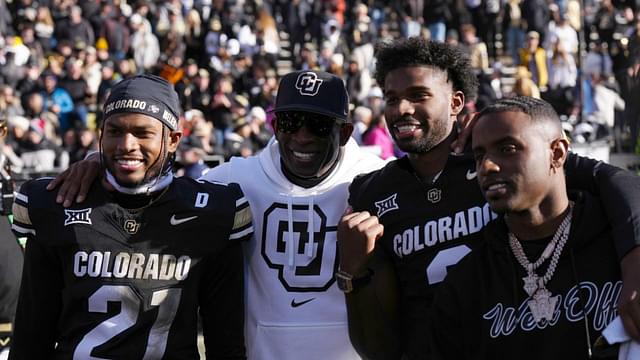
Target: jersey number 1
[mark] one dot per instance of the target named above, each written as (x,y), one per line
(167,301)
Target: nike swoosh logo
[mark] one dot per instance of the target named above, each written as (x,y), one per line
(175,221)
(471,175)
(295,304)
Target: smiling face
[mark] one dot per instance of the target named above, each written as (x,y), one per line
(421,107)
(134,147)
(308,155)
(518,161)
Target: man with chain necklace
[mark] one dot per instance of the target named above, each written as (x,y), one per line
(544,282)
(125,274)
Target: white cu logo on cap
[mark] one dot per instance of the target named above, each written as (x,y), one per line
(308,83)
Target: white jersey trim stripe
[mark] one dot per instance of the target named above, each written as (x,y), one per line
(23,230)
(242,233)
(22,197)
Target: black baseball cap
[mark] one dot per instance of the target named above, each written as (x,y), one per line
(313,91)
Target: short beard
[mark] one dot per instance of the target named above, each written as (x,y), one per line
(433,138)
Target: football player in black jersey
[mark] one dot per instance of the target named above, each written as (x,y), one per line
(421,214)
(10,252)
(126,274)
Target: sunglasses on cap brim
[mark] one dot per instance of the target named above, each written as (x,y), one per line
(318,125)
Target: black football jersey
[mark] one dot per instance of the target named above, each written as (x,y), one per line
(427,228)
(103,281)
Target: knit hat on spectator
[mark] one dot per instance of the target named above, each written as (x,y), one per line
(145,94)
(313,91)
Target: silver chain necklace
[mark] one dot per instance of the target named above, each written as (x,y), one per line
(543,304)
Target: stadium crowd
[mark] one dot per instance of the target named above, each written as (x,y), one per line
(59,58)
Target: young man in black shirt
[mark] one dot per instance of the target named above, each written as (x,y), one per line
(545,280)
(421,214)
(125,274)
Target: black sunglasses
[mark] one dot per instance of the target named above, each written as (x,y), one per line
(318,125)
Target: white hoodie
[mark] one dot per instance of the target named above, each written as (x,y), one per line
(294,308)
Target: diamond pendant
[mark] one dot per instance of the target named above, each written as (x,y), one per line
(530,283)
(542,305)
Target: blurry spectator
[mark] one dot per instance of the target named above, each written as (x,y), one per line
(598,60)
(436,15)
(220,108)
(39,153)
(126,68)
(452,38)
(534,59)
(108,79)
(524,85)
(44,28)
(238,142)
(202,136)
(515,28)
(92,73)
(489,87)
(563,75)
(144,44)
(268,35)
(605,21)
(194,34)
(77,88)
(57,100)
(375,100)
(410,14)
(29,82)
(192,158)
(34,109)
(5,18)
(560,30)
(377,135)
(215,38)
(200,94)
(9,103)
(85,142)
(185,86)
(362,117)
(114,31)
(14,46)
(358,82)
(28,37)
(75,30)
(260,132)
(606,102)
(298,12)
(536,15)
(476,48)
(10,72)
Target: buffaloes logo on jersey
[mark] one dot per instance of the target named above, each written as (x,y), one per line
(131,226)
(308,84)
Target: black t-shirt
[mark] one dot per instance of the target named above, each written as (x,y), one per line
(101,280)
(482,311)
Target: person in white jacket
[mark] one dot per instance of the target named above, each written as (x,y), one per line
(297,188)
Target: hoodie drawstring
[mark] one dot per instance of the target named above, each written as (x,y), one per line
(309,246)
(310,229)
(290,244)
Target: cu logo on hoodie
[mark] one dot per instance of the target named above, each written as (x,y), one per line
(308,84)
(297,242)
